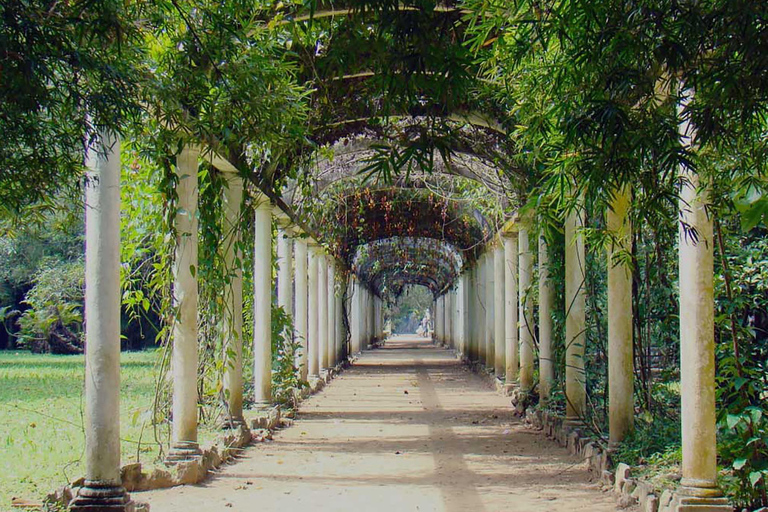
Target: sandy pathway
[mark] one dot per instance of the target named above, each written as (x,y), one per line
(406,429)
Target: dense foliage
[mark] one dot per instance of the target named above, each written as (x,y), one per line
(579,98)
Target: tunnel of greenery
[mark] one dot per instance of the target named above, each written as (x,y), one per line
(401,145)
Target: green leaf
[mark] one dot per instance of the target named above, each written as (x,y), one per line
(739,463)
(755,477)
(732,420)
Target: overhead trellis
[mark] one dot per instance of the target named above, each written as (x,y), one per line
(358,215)
(474,154)
(388,265)
(404,139)
(396,73)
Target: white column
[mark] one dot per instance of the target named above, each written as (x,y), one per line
(355,320)
(575,319)
(465,314)
(330,350)
(103,487)
(474,318)
(448,318)
(369,298)
(458,298)
(697,333)
(526,310)
(322,311)
(262,304)
(364,313)
(302,313)
(313,340)
(511,333)
(184,361)
(490,311)
(481,313)
(341,335)
(232,326)
(499,336)
(285,271)
(376,318)
(621,410)
(546,297)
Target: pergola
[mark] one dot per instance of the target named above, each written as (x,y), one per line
(407,93)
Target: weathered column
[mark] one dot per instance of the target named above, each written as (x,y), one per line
(371,317)
(511,332)
(313,316)
(331,290)
(459,315)
(460,326)
(377,317)
(232,326)
(526,310)
(697,335)
(341,334)
(490,311)
(322,311)
(366,318)
(262,304)
(499,336)
(285,271)
(472,314)
(575,319)
(466,314)
(448,318)
(481,313)
(546,297)
(355,321)
(621,407)
(184,359)
(438,321)
(455,328)
(302,313)
(103,489)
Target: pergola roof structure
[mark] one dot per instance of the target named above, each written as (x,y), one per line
(397,125)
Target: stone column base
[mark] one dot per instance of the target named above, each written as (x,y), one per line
(101,497)
(507,389)
(695,504)
(573,423)
(233,423)
(183,451)
(316,384)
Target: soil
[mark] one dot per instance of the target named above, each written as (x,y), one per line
(407,428)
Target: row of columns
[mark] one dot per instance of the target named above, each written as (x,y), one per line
(310,295)
(467,318)
(306,290)
(495,317)
(366,319)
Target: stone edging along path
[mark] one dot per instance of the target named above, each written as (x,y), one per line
(629,490)
(223,449)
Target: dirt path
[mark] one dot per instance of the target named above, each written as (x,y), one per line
(405,429)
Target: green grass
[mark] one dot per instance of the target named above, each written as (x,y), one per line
(41,434)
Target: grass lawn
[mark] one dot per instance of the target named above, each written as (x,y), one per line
(41,408)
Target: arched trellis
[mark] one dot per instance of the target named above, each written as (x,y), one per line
(363,215)
(470,153)
(391,263)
